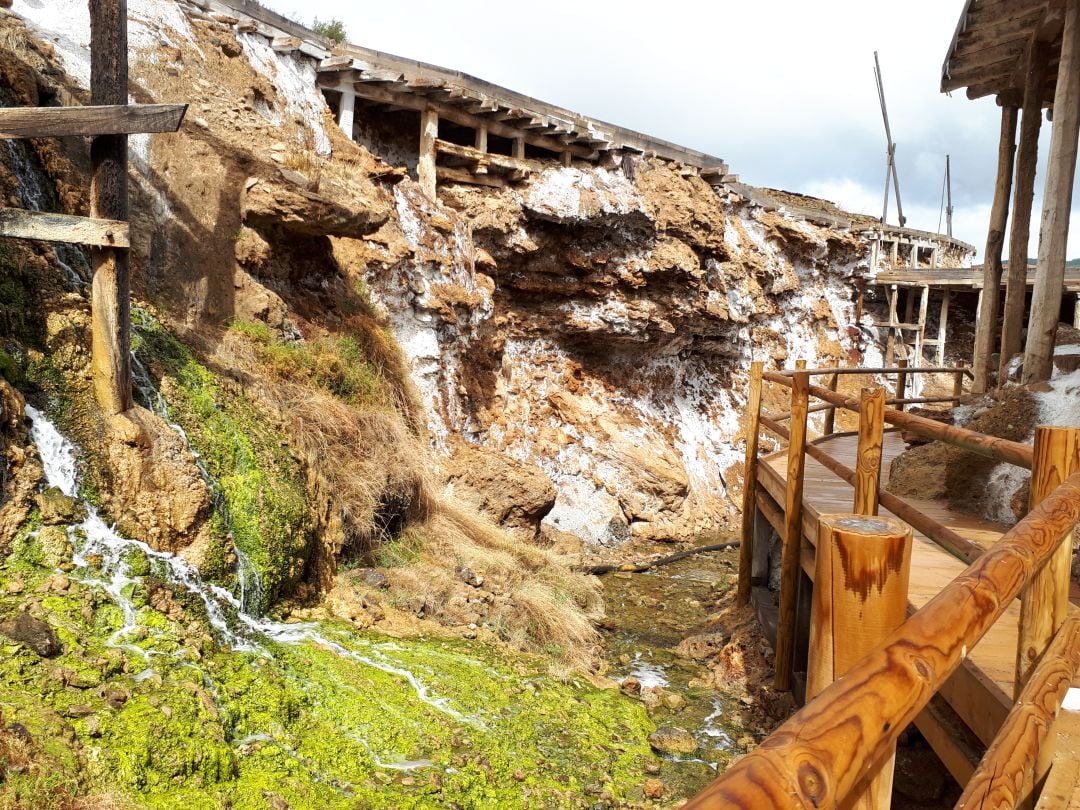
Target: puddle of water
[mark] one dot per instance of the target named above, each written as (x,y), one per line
(647,616)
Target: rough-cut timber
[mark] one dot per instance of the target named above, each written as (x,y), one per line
(110,303)
(821,753)
(21,224)
(868,464)
(746,551)
(111,119)
(860,597)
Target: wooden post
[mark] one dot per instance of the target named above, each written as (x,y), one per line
(347,112)
(901,383)
(1045,602)
(519,148)
(110,301)
(1076,312)
(890,349)
(995,241)
(793,513)
(868,457)
(566,158)
(920,335)
(425,168)
(482,139)
(1057,202)
(895,255)
(749,505)
(860,598)
(942,329)
(1027,155)
(958,379)
(830,415)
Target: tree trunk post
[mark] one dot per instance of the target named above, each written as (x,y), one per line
(110,301)
(1012,322)
(830,415)
(749,505)
(958,379)
(860,597)
(868,456)
(1057,204)
(793,513)
(1045,602)
(901,383)
(995,241)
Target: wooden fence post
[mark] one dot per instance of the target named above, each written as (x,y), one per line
(1045,602)
(830,414)
(868,458)
(860,598)
(958,379)
(793,514)
(901,383)
(749,505)
(110,300)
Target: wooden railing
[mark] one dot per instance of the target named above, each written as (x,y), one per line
(838,748)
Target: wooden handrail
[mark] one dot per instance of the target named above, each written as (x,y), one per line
(957,545)
(981,443)
(816,372)
(828,406)
(1004,776)
(816,757)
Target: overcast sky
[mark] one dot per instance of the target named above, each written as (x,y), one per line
(783,91)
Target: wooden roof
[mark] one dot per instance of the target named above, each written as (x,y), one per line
(988,53)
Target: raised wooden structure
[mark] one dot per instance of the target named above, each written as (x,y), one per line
(973,666)
(109,120)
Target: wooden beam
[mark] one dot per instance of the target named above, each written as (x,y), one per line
(1020,221)
(1057,202)
(995,240)
(347,112)
(943,324)
(110,302)
(425,167)
(746,550)
(464,176)
(105,119)
(18,223)
(489,158)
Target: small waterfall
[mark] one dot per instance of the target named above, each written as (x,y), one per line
(103,559)
(252,594)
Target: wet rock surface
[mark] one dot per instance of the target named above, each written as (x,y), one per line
(34,633)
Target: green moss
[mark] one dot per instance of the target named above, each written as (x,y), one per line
(263,504)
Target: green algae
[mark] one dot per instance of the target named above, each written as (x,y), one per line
(368,721)
(264,510)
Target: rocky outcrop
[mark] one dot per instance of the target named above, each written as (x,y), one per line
(300,211)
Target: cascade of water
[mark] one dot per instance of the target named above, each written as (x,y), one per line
(95,540)
(252,595)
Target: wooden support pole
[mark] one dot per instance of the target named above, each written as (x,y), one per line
(425,168)
(1057,204)
(830,414)
(890,349)
(482,138)
(746,550)
(901,382)
(868,457)
(1027,155)
(1045,602)
(995,240)
(860,598)
(110,298)
(942,329)
(1076,312)
(920,335)
(958,379)
(793,524)
(519,148)
(1009,771)
(566,159)
(347,112)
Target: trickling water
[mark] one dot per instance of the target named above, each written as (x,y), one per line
(234,628)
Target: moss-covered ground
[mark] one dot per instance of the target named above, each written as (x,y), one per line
(166,717)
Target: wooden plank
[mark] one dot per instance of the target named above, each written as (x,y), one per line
(1020,220)
(464,176)
(103,119)
(110,302)
(18,223)
(821,754)
(1057,202)
(1062,788)
(954,743)
(995,241)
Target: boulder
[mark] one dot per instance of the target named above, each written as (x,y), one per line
(514,494)
(266,205)
(673,740)
(57,509)
(586,511)
(34,633)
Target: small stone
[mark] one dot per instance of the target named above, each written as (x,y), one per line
(16,586)
(201,123)
(631,686)
(674,701)
(166,710)
(408,781)
(470,577)
(653,788)
(59,583)
(34,633)
(652,768)
(672,740)
(746,742)
(77,710)
(372,577)
(93,727)
(519,775)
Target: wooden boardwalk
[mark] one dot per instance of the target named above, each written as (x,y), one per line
(981,691)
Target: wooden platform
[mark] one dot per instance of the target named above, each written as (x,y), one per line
(963,279)
(980,692)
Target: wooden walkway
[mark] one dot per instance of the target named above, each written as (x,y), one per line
(981,691)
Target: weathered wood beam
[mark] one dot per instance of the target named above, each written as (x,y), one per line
(479,156)
(464,176)
(1057,204)
(425,167)
(18,223)
(746,550)
(460,117)
(986,324)
(106,119)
